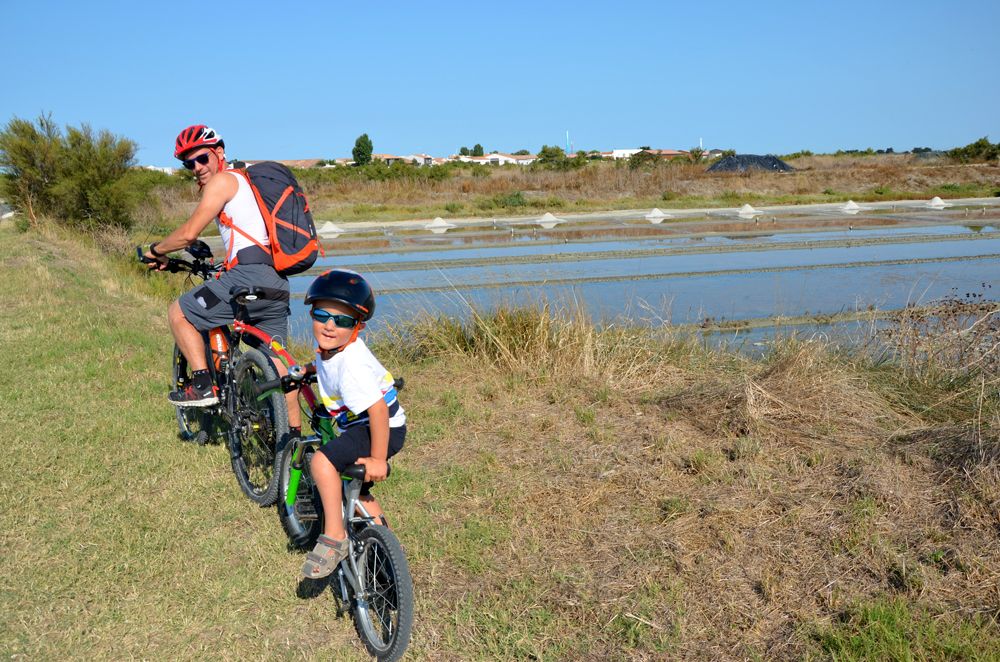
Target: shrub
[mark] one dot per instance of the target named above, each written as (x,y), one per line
(642,160)
(78,177)
(510,200)
(554,158)
(31,154)
(981,150)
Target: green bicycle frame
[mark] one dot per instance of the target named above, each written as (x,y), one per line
(295,473)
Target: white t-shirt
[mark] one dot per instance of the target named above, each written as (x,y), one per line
(353,380)
(243,211)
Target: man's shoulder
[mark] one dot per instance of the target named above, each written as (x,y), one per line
(223,186)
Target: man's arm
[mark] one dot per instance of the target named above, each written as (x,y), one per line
(218,191)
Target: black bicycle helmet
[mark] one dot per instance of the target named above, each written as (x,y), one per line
(346,287)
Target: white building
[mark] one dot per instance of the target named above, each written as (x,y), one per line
(623,153)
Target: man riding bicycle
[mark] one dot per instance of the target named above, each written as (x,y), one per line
(226,197)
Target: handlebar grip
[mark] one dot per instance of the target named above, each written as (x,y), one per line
(142,256)
(270,385)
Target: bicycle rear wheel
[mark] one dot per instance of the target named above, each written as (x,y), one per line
(303,520)
(194,423)
(383,616)
(258,428)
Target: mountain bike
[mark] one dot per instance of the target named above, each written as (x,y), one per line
(373,583)
(255,429)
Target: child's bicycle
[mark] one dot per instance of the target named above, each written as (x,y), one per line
(373,582)
(255,428)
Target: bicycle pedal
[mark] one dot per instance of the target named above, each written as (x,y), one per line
(305,510)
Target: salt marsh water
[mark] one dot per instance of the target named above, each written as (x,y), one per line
(688,279)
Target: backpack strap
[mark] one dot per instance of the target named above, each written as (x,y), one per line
(224,219)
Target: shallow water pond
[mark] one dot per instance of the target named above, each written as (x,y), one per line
(683,280)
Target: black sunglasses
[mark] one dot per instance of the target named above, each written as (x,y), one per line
(342,321)
(201,158)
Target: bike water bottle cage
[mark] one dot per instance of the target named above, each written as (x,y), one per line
(339,320)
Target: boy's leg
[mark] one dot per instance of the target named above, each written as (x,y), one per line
(327,479)
(332,547)
(371,504)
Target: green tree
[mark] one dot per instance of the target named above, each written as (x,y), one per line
(522,152)
(362,151)
(551,156)
(981,150)
(642,159)
(696,154)
(464,151)
(477,150)
(78,177)
(91,191)
(31,154)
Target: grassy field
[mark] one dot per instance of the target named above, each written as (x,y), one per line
(565,492)
(345,194)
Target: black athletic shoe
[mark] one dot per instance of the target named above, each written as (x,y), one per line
(192,397)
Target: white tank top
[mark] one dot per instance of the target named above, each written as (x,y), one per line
(245,214)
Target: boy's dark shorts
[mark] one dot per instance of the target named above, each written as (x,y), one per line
(209,305)
(345,449)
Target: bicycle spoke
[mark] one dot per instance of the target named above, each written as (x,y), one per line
(381,591)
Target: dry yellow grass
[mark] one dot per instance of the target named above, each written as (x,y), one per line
(566,493)
(612,185)
(660,500)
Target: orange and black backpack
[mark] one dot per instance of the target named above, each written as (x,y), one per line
(290,227)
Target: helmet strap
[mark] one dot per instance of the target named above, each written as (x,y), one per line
(338,350)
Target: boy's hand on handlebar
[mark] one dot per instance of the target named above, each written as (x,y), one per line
(375,469)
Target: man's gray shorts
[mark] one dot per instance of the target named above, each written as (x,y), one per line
(210,305)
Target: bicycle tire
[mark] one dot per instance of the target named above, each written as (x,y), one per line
(384,618)
(259,428)
(194,423)
(297,521)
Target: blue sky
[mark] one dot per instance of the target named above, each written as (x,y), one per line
(300,80)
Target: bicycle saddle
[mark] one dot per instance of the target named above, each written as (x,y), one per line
(357,472)
(242,293)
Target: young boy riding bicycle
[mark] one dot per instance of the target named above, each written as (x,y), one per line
(359,394)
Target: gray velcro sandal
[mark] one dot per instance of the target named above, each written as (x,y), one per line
(325,557)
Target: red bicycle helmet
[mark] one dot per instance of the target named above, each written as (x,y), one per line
(195,136)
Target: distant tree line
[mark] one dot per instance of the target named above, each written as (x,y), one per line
(981,150)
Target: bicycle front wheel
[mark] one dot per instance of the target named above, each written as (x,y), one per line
(259,428)
(383,615)
(194,423)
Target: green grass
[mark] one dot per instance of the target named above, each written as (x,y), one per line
(896,630)
(587,496)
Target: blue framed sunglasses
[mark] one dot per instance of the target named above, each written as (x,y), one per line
(341,321)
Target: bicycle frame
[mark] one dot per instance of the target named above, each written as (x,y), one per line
(354,511)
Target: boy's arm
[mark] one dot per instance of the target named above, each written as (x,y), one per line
(376,466)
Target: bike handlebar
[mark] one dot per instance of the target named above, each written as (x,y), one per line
(297,376)
(198,267)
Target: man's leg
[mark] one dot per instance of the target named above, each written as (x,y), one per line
(188,338)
